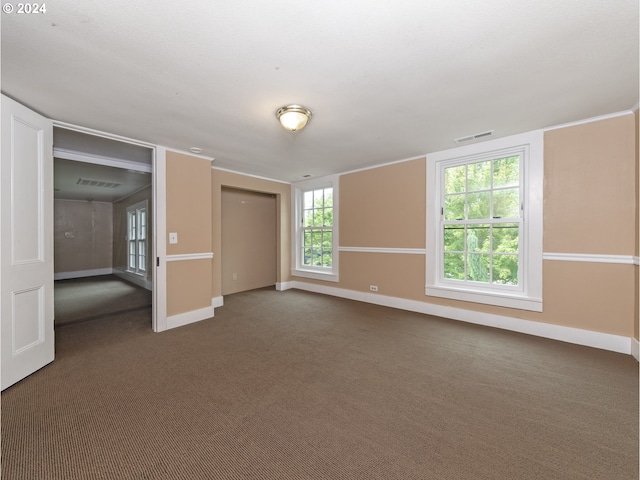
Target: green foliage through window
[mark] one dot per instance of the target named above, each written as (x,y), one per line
(317,228)
(481,221)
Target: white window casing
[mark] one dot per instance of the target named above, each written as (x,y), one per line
(526,293)
(299,268)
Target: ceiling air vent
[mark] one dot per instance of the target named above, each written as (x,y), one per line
(97,183)
(476,136)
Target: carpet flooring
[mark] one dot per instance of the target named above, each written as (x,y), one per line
(82,299)
(295,385)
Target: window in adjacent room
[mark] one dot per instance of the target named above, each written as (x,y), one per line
(486,223)
(137,238)
(315,220)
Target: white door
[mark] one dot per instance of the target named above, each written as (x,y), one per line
(26,242)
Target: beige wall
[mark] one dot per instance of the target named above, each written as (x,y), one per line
(589,192)
(380,208)
(189,215)
(282,191)
(90,225)
(120,246)
(249,248)
(589,207)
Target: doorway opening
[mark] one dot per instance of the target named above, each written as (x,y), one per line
(103,229)
(249,240)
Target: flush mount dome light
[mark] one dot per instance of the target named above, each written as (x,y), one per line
(293,117)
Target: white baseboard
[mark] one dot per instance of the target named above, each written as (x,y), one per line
(604,341)
(82,273)
(282,286)
(635,349)
(217,302)
(135,279)
(189,317)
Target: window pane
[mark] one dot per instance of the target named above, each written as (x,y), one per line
(142,224)
(318,198)
(306,256)
(454,207)
(478,267)
(308,218)
(316,257)
(505,269)
(506,203)
(478,238)
(506,172)
(328,197)
(308,200)
(479,205)
(479,176)
(306,238)
(454,238)
(454,179)
(505,237)
(327,258)
(454,266)
(316,238)
(327,239)
(328,217)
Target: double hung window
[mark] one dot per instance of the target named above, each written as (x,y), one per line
(484,223)
(137,238)
(315,220)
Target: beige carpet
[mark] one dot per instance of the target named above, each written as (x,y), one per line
(81,299)
(293,385)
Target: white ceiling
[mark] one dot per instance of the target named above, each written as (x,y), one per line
(74,180)
(385,80)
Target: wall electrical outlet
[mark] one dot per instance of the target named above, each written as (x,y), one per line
(173,237)
(373,288)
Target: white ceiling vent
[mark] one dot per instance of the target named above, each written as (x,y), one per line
(476,136)
(97,183)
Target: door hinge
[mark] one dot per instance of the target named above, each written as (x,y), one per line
(157,261)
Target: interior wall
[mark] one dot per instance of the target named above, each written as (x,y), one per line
(637,250)
(589,208)
(223,178)
(83,236)
(249,247)
(188,197)
(120,244)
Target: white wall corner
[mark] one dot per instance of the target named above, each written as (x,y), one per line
(189,317)
(635,349)
(282,286)
(217,302)
(604,341)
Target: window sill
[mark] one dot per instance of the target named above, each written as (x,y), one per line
(140,274)
(315,275)
(517,301)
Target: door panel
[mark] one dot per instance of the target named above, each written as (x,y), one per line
(26,239)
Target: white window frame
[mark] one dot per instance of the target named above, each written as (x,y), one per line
(135,210)
(528,294)
(297,193)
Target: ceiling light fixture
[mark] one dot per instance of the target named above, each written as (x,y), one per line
(293,117)
(196,150)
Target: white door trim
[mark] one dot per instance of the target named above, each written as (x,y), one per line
(159,241)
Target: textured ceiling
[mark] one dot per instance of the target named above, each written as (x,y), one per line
(385,80)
